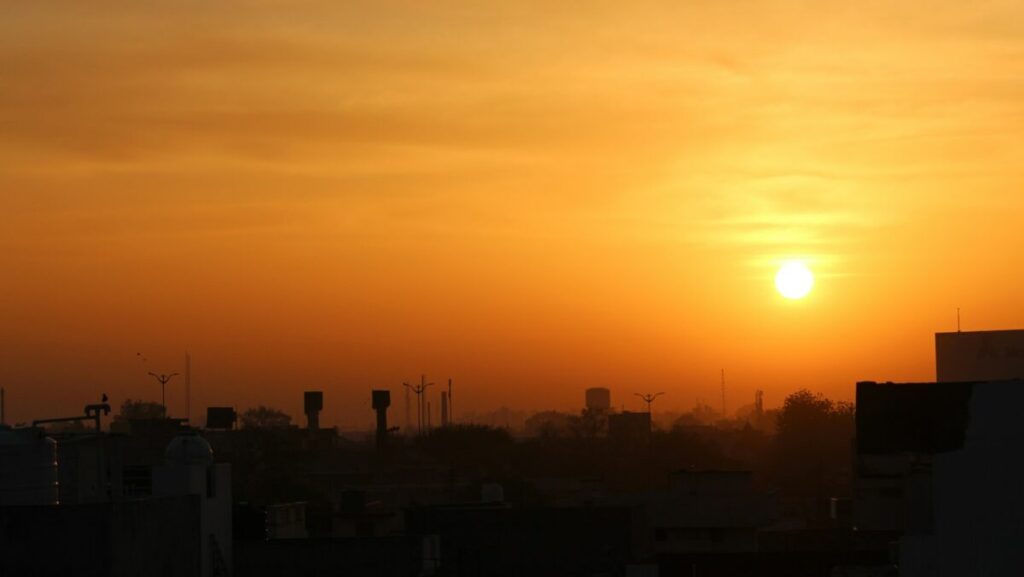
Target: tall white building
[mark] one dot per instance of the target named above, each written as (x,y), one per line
(189,469)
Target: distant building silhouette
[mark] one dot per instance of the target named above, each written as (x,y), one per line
(628,427)
(710,512)
(221,418)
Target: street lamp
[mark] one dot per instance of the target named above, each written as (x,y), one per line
(164,379)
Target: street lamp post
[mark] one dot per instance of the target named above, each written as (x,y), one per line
(163,379)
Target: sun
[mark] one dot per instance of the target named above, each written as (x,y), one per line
(794,280)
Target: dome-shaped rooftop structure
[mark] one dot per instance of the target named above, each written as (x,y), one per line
(189,449)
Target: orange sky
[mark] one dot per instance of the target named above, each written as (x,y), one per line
(529,199)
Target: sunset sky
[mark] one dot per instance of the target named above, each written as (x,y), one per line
(530,199)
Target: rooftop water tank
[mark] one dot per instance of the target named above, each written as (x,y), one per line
(599,399)
(28,467)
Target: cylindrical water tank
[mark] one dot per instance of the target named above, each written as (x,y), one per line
(28,468)
(599,399)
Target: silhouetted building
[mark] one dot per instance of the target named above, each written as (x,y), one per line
(174,521)
(478,540)
(627,427)
(706,512)
(221,417)
(188,469)
(936,463)
(393,556)
(979,356)
(28,467)
(153,536)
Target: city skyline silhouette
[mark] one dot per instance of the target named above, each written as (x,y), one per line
(511,289)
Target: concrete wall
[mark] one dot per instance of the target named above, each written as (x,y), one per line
(978,495)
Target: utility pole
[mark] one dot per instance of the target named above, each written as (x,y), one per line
(408,409)
(420,406)
(163,379)
(649,398)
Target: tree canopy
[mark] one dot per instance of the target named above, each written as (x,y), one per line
(263,417)
(132,409)
(813,445)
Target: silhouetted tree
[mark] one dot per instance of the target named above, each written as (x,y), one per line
(813,446)
(591,423)
(131,409)
(262,417)
(549,424)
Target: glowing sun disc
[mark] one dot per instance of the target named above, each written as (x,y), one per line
(794,280)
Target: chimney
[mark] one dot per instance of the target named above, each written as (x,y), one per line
(444,408)
(314,403)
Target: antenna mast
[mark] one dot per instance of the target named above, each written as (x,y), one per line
(723,394)
(451,403)
(188,387)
